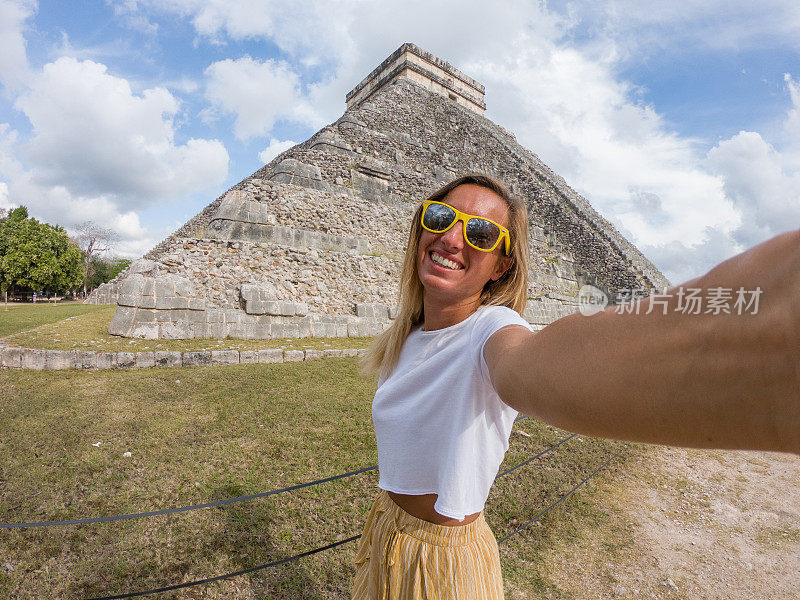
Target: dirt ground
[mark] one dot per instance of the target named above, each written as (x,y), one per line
(691,524)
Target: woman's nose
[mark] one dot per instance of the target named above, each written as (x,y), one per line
(454,237)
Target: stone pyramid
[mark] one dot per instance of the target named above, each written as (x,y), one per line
(311,244)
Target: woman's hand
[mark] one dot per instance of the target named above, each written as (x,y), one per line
(724,380)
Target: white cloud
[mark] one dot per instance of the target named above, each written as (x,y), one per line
(93,136)
(13,57)
(275,147)
(681,262)
(258,93)
(645,27)
(763,184)
(100,152)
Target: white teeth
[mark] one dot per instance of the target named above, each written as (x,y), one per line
(441,260)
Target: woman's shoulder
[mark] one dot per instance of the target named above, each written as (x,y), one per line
(491,318)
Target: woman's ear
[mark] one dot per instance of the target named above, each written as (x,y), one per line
(504,263)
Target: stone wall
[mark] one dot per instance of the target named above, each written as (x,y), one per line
(12,357)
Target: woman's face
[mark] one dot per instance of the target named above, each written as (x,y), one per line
(465,270)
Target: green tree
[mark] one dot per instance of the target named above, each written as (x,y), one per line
(102,270)
(37,256)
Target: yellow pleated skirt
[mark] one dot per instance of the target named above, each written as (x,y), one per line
(401,557)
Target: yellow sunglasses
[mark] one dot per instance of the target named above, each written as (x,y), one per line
(479,232)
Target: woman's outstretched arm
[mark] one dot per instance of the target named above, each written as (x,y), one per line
(700,380)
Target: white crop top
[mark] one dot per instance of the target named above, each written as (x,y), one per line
(440,426)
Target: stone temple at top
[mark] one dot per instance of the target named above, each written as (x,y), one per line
(311,244)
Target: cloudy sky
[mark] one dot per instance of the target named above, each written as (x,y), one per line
(679,121)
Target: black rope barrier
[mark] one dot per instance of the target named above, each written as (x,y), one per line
(535,456)
(180,509)
(560,500)
(274,563)
(334,545)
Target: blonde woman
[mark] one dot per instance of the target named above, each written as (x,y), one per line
(459,363)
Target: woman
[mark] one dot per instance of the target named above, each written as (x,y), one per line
(459,362)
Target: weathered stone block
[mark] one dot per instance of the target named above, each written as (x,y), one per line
(11,357)
(293,355)
(122,321)
(219,331)
(145,316)
(349,352)
(197,359)
(304,327)
(237,330)
(216,315)
(272,355)
(132,285)
(198,316)
(84,359)
(147,302)
(124,360)
(148,331)
(261,331)
(312,354)
(257,307)
(333,353)
(163,288)
(145,360)
(164,302)
(291,330)
(287,309)
(168,358)
(233,316)
(224,357)
(128,300)
(301,309)
(105,360)
(197,304)
(201,330)
(33,358)
(247,357)
(179,302)
(179,330)
(56,360)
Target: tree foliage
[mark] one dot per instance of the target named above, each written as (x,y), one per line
(37,256)
(102,270)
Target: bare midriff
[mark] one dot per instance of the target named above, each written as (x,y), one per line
(421,506)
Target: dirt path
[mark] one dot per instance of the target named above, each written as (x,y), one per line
(691,524)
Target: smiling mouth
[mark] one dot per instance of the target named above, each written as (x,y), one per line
(444,262)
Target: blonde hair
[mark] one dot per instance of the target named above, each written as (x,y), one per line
(510,290)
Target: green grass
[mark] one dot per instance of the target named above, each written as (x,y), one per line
(21,317)
(198,434)
(89,331)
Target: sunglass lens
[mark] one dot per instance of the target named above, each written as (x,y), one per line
(438,217)
(482,234)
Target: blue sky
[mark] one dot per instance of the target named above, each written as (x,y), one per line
(680,122)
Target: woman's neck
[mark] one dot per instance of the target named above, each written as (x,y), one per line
(439,315)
